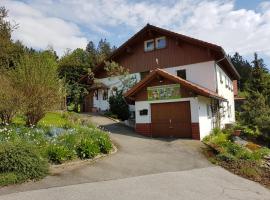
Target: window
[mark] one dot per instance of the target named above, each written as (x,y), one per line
(208,110)
(105,94)
(132,115)
(96,94)
(226,82)
(144,112)
(181,73)
(149,45)
(160,42)
(220,77)
(229,111)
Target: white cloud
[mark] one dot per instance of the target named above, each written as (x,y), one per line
(39,31)
(57,21)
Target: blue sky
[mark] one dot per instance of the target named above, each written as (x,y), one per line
(237,25)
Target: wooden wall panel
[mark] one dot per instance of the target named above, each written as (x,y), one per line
(172,55)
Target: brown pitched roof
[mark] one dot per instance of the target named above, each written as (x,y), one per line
(192,86)
(222,56)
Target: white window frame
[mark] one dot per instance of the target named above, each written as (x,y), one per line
(226,82)
(220,76)
(229,110)
(145,45)
(208,111)
(156,42)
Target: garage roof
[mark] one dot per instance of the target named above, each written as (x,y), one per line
(159,72)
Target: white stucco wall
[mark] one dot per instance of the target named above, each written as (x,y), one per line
(111,82)
(205,120)
(140,105)
(227,93)
(200,73)
(206,74)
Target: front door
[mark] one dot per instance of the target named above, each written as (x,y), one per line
(171,119)
(88,102)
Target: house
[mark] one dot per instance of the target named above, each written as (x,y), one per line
(185,86)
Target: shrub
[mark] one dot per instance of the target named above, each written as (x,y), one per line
(9,99)
(103,141)
(261,153)
(250,171)
(58,154)
(118,106)
(226,157)
(23,160)
(87,148)
(250,133)
(216,131)
(233,148)
(36,77)
(8,178)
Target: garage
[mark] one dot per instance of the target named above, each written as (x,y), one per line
(171,120)
(169,106)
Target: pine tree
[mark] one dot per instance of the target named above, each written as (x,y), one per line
(104,50)
(244,69)
(256,109)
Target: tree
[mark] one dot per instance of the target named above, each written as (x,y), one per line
(92,53)
(35,76)
(10,51)
(244,69)
(104,50)
(256,109)
(72,67)
(10,99)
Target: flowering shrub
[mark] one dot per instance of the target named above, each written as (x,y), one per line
(58,144)
(55,141)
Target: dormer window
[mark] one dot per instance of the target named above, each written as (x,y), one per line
(149,45)
(160,42)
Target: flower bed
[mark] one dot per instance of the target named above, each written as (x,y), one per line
(241,157)
(73,139)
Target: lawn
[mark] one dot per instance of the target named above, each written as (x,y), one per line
(27,152)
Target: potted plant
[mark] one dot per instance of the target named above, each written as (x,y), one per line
(237,132)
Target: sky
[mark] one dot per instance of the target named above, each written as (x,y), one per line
(237,25)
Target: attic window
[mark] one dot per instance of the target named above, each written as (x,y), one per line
(160,42)
(149,45)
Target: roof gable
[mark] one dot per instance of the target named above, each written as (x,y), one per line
(159,72)
(219,54)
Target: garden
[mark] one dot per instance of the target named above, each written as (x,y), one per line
(26,153)
(241,154)
(36,132)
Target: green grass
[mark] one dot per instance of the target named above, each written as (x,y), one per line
(18,120)
(54,119)
(50,119)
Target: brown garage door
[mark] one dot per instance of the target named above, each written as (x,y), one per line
(171,119)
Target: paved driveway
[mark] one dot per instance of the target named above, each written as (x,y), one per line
(136,156)
(144,169)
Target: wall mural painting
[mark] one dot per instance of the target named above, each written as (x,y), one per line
(164,92)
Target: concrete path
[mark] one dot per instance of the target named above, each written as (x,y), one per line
(199,184)
(136,156)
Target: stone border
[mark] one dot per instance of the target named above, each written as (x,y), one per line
(57,169)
